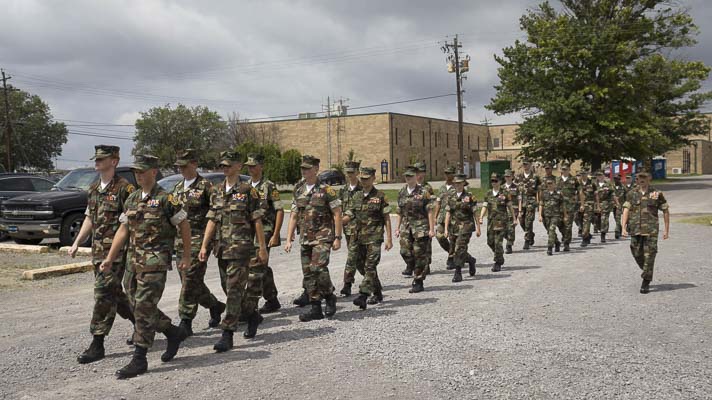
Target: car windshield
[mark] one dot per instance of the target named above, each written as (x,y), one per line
(169,182)
(79,179)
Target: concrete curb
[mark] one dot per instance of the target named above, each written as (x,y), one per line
(57,270)
(81,251)
(23,248)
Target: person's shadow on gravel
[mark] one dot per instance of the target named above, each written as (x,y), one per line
(664,287)
(265,339)
(519,267)
(207,360)
(442,288)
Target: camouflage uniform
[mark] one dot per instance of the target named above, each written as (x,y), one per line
(463,211)
(368,213)
(347,196)
(271,202)
(414,208)
(528,186)
(151,224)
(195,200)
(443,198)
(606,193)
(619,191)
(644,228)
(235,212)
(104,208)
(315,220)
(552,212)
(499,208)
(588,188)
(569,188)
(515,195)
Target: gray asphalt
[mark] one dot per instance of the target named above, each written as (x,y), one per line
(566,326)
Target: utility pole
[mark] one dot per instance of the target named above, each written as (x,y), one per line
(328,130)
(486,123)
(8,123)
(458,65)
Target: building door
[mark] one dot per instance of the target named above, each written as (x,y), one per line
(685,161)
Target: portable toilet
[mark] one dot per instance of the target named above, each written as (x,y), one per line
(488,167)
(659,168)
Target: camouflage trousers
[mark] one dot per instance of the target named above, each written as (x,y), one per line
(617,214)
(568,222)
(352,261)
(511,231)
(149,319)
(552,224)
(602,218)
(459,243)
(443,240)
(368,256)
(494,241)
(644,250)
(241,288)
(130,285)
(587,220)
(315,268)
(265,275)
(578,218)
(414,250)
(526,219)
(193,291)
(109,299)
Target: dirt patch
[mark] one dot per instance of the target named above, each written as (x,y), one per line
(14,263)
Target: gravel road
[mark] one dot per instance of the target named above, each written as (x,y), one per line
(567,326)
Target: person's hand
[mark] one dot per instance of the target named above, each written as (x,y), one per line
(262,255)
(666,236)
(447,233)
(540,218)
(581,209)
(274,241)
(203,255)
(182,265)
(105,266)
(515,222)
(479,221)
(479,232)
(389,244)
(72,252)
(288,245)
(397,233)
(336,245)
(431,233)
(624,232)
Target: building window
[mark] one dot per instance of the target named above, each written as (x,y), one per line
(436,138)
(436,166)
(468,142)
(496,142)
(396,167)
(396,135)
(502,134)
(410,137)
(447,140)
(478,143)
(423,138)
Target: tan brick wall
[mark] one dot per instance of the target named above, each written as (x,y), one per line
(700,158)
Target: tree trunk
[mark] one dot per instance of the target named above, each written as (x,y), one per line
(595,163)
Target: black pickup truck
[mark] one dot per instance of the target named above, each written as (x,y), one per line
(59,213)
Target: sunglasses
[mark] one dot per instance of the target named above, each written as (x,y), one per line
(494,181)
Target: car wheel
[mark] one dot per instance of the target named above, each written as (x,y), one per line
(3,236)
(27,241)
(70,229)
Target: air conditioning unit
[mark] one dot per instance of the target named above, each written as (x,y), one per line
(677,171)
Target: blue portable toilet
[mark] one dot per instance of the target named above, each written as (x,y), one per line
(659,170)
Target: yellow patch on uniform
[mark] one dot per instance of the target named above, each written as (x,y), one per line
(275,195)
(130,188)
(173,199)
(330,191)
(254,193)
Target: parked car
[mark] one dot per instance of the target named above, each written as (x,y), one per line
(13,185)
(59,213)
(332,177)
(169,182)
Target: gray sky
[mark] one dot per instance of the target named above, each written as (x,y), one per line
(104,61)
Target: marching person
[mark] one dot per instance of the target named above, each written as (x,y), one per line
(347,194)
(460,222)
(568,185)
(441,202)
(498,208)
(512,189)
(529,184)
(552,213)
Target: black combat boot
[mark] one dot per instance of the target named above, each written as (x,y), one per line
(215,312)
(346,290)
(225,342)
(557,247)
(302,300)
(526,245)
(313,313)
(253,321)
(580,233)
(187,325)
(137,366)
(617,235)
(375,298)
(496,267)
(95,352)
(330,305)
(450,264)
(360,301)
(566,248)
(270,306)
(472,263)
(129,341)
(645,287)
(458,275)
(584,242)
(408,271)
(603,238)
(417,286)
(549,252)
(174,337)
(508,249)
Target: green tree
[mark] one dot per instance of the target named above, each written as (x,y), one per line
(292,161)
(162,131)
(36,138)
(597,80)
